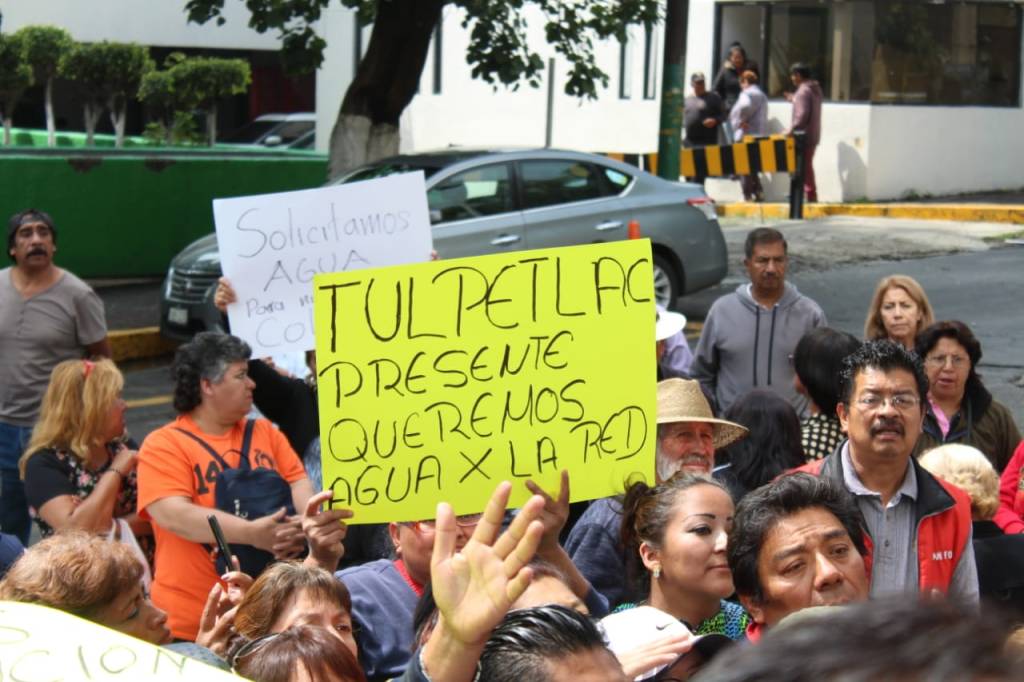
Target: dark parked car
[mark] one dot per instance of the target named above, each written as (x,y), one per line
(484,202)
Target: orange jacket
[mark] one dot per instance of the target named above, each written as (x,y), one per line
(943,514)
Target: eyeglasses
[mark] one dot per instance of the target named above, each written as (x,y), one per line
(464,521)
(901,402)
(939,361)
(250,647)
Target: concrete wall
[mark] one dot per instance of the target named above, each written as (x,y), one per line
(127,214)
(149,22)
(470,112)
(944,150)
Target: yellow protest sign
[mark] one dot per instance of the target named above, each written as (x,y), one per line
(438,380)
(39,644)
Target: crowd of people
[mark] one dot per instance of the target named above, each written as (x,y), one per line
(736,107)
(821,507)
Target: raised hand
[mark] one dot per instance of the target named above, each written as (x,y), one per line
(474,588)
(555,513)
(325,531)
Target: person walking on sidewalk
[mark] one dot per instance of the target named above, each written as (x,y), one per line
(807,120)
(47,315)
(750,117)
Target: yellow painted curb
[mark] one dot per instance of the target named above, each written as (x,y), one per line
(135,344)
(984,213)
(147,402)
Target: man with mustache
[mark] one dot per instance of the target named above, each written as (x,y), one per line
(688,435)
(47,315)
(749,335)
(883,387)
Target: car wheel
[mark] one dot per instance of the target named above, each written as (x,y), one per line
(666,282)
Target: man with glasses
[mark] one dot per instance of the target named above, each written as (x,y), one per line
(385,593)
(47,315)
(883,387)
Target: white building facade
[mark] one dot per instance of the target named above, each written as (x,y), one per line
(920,97)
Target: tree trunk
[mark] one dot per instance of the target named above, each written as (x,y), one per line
(211,125)
(384,84)
(8,123)
(92,116)
(51,134)
(117,118)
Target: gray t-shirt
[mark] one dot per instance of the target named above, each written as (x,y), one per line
(38,333)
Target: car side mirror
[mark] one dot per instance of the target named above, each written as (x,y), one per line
(272,141)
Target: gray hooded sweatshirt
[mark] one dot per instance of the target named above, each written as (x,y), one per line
(744,345)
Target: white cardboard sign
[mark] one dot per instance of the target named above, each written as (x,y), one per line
(271,246)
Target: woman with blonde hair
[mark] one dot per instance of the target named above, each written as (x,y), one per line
(999,557)
(78,472)
(899,310)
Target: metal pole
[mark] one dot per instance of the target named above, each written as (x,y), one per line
(672,94)
(551,102)
(796,180)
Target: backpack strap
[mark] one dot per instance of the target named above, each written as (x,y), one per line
(246,444)
(243,460)
(206,446)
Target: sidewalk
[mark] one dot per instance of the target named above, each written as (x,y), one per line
(992,207)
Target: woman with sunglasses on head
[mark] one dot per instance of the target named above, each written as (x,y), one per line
(79,473)
(959,408)
(290,594)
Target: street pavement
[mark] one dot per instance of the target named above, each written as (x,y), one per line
(837,261)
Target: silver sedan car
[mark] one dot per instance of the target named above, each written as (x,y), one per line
(485,201)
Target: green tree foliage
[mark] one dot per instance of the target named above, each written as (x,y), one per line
(201,82)
(191,83)
(108,75)
(44,47)
(15,78)
(499,51)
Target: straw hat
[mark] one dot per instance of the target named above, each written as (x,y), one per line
(668,324)
(681,400)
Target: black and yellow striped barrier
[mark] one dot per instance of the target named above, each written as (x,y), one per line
(768,154)
(772,154)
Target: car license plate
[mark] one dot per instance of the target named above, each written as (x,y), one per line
(177,316)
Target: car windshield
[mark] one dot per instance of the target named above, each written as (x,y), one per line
(381,170)
(250,132)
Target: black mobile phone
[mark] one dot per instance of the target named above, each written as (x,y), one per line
(222,543)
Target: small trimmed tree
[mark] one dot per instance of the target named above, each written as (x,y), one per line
(15,78)
(157,91)
(108,75)
(201,82)
(127,63)
(85,64)
(44,48)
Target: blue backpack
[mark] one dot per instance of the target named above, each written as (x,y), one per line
(250,494)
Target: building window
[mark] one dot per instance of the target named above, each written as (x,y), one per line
(964,53)
(650,62)
(437,56)
(626,69)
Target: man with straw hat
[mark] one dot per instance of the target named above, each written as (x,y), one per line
(688,435)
